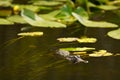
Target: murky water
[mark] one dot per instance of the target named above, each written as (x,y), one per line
(29,58)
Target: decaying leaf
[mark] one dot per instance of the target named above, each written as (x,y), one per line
(100,53)
(70,39)
(30,34)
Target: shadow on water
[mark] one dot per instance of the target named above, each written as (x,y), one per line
(29,58)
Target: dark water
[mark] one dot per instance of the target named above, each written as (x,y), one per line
(29,58)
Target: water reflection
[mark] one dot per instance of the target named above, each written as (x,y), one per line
(29,59)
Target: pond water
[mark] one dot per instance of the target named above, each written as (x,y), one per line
(30,58)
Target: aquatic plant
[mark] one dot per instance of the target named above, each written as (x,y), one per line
(61,14)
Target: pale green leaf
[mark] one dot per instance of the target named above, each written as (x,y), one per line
(30,7)
(51,15)
(47,3)
(114,34)
(89,23)
(108,7)
(16,19)
(78,49)
(5,3)
(5,22)
(34,20)
(32,34)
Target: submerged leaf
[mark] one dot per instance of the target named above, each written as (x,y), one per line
(34,20)
(5,22)
(89,23)
(32,34)
(78,49)
(26,28)
(100,53)
(114,34)
(69,39)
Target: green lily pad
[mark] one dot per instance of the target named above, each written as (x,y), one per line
(32,34)
(89,23)
(78,49)
(5,22)
(114,34)
(16,19)
(34,20)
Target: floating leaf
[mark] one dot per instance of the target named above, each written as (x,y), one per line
(5,22)
(16,19)
(51,15)
(30,7)
(78,49)
(114,34)
(79,53)
(70,39)
(47,3)
(32,34)
(108,7)
(80,40)
(100,53)
(89,23)
(86,40)
(5,3)
(37,21)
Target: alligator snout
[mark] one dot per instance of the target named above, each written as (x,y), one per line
(73,58)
